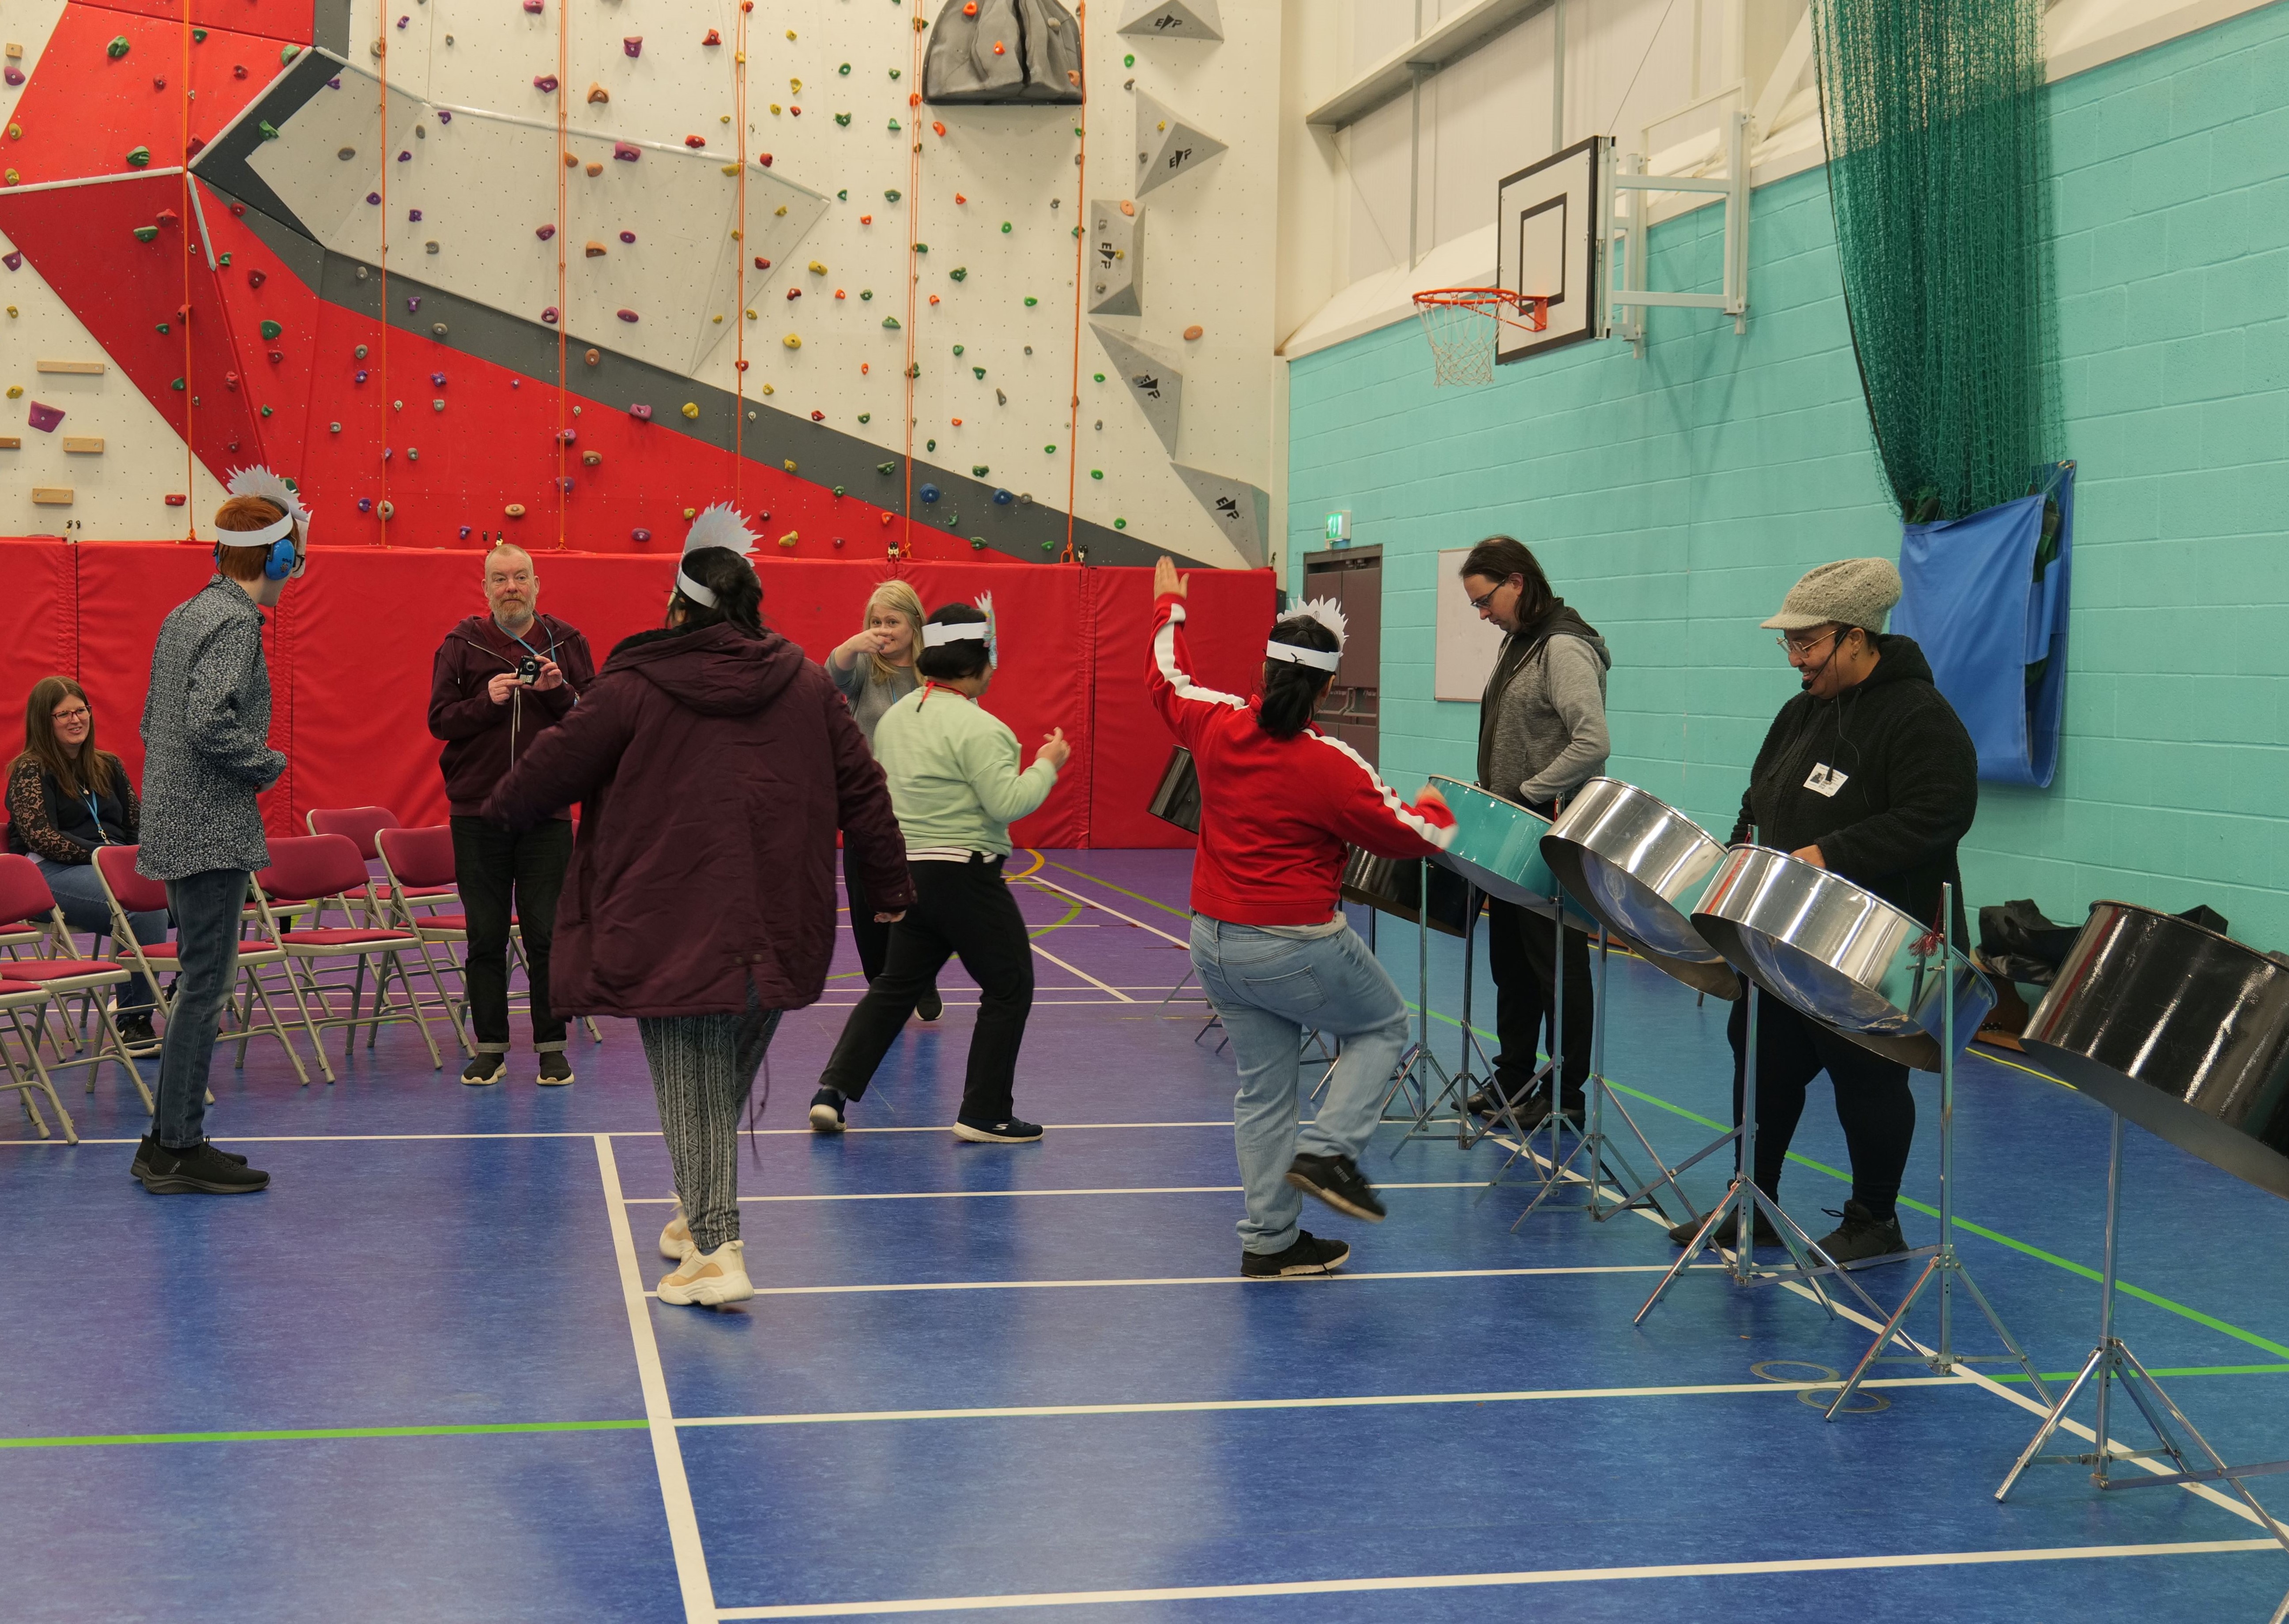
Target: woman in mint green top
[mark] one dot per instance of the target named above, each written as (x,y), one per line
(956,785)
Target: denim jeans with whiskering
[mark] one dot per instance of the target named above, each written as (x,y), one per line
(206,906)
(1270,990)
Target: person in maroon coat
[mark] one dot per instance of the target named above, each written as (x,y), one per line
(716,764)
(500,681)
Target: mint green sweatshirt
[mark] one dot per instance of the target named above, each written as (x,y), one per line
(952,769)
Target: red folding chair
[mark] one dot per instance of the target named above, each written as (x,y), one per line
(18,998)
(54,968)
(364,825)
(129,892)
(323,868)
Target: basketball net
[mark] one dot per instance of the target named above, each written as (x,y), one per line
(1464,323)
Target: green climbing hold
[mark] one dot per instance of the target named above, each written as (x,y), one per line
(960,273)
(144,234)
(265,411)
(957,349)
(1100,378)
(1120,524)
(138,157)
(1129,62)
(915,371)
(886,467)
(894,126)
(977,544)
(162,329)
(838,490)
(922,247)
(865,293)
(1051,450)
(1046,545)
(894,73)
(891,322)
(977,470)
(892,196)
(1031,301)
(1005,227)
(287,54)
(176,385)
(977,372)
(865,417)
(271,329)
(930,445)
(844,70)
(1096,473)
(223,259)
(117,48)
(269,130)
(844,119)
(198,36)
(843,195)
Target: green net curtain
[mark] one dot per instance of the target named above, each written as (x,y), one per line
(1938,172)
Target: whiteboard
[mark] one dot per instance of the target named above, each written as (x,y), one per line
(1468,647)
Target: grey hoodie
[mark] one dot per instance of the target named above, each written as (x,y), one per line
(1542,720)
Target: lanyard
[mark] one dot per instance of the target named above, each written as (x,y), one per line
(930,685)
(102,838)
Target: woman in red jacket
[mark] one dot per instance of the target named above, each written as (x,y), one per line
(1280,803)
(716,764)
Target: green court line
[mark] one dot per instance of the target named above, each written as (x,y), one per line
(1072,912)
(1181,913)
(2182,1370)
(300,1434)
(1996,1235)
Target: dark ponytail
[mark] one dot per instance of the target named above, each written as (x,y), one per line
(739,594)
(1290,691)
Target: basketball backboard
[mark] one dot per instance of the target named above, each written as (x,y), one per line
(1546,237)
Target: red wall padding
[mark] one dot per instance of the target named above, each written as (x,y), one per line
(351,647)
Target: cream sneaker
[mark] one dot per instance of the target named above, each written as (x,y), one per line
(675,1240)
(707,1278)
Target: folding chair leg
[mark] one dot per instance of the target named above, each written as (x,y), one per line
(436,1060)
(277,1027)
(247,1017)
(357,996)
(318,1045)
(126,1060)
(45,1085)
(444,1000)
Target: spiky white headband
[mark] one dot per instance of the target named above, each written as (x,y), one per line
(937,632)
(719,525)
(273,489)
(1324,610)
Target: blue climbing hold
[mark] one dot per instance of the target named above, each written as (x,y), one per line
(1002,498)
(929,493)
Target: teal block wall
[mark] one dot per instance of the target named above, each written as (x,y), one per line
(1674,498)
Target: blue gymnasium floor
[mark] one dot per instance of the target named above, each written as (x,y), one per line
(418,1379)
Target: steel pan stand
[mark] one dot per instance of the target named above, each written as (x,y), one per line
(1946,1265)
(1418,1067)
(1745,1200)
(2111,1361)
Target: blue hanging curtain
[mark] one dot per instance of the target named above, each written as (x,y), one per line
(1986,598)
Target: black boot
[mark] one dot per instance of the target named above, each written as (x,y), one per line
(1863,1234)
(1726,1232)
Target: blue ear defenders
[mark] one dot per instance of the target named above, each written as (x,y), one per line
(279,563)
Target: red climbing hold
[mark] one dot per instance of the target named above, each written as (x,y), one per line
(1000,49)
(543,232)
(818,417)
(626,153)
(695,140)
(764,159)
(794,293)
(742,365)
(938,127)
(969,8)
(714,38)
(168,217)
(627,315)
(761,263)
(866,219)
(957,197)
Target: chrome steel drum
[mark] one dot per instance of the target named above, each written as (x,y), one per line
(1498,847)
(1841,954)
(1394,885)
(2183,1031)
(1637,863)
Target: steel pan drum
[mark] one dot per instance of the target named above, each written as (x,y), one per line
(2181,1030)
(1840,955)
(1637,863)
(1176,798)
(1394,885)
(1498,847)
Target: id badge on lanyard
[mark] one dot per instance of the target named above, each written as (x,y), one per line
(1826,780)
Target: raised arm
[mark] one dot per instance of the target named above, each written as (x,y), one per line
(1183,703)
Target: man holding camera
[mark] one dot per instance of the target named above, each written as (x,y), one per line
(500,681)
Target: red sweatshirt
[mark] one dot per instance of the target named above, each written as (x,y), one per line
(1276,814)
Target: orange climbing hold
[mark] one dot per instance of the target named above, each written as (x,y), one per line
(969,8)
(938,127)
(1192,331)
(1000,49)
(957,197)
(957,422)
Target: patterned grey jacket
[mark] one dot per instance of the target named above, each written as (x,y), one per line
(206,730)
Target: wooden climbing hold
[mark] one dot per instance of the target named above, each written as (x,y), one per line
(571,160)
(595,169)
(514,510)
(1128,207)
(597,93)
(1194,332)
(589,460)
(592,250)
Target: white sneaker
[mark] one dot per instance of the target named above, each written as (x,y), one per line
(707,1278)
(675,1240)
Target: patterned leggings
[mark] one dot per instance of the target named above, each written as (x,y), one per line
(703,1068)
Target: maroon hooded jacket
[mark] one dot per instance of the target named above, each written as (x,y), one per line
(716,769)
(482,739)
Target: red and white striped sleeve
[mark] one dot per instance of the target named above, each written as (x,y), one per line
(1368,812)
(1184,704)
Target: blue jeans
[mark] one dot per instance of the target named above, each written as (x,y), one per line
(1269,990)
(79,892)
(206,906)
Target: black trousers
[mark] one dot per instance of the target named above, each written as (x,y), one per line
(869,935)
(1522,954)
(1873,1101)
(959,908)
(502,875)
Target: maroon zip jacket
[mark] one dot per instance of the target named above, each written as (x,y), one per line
(482,739)
(716,769)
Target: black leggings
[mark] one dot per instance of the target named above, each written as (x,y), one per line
(1873,1102)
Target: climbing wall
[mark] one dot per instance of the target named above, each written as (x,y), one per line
(564,272)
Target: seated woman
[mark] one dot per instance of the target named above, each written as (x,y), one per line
(954,777)
(65,798)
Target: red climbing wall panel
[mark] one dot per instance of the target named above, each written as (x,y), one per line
(83,110)
(277,20)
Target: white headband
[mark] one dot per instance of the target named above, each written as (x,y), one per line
(265,537)
(718,525)
(938,632)
(1303,656)
(279,491)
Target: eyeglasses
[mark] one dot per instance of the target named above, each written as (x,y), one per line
(77,713)
(1795,645)
(1480,602)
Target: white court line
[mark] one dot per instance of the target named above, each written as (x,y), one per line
(1234,1279)
(329,1138)
(1083,974)
(1122,1190)
(1035,879)
(1375,1401)
(666,1448)
(1545,1576)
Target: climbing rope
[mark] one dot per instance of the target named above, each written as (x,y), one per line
(382,79)
(1080,277)
(563,302)
(913,277)
(190,455)
(739,239)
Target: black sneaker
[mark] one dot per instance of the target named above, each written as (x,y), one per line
(203,1171)
(1310,1255)
(556,1069)
(136,1031)
(1491,1102)
(1335,1179)
(1862,1235)
(1726,1232)
(142,1164)
(826,1111)
(1010,1132)
(929,1006)
(484,1069)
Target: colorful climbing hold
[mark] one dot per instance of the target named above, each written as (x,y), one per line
(929,493)
(1005,227)
(1129,62)
(626,152)
(545,83)
(117,48)
(865,417)
(891,321)
(633,45)
(1051,450)
(1031,301)
(138,157)
(867,293)
(695,141)
(543,232)
(792,342)
(1096,473)
(690,409)
(641,412)
(625,316)
(549,316)
(714,38)
(145,234)
(1100,377)
(627,236)
(271,329)
(960,273)
(1192,331)
(979,372)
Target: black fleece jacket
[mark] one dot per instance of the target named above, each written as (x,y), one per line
(1910,783)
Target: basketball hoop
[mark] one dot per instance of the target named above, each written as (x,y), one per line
(1462,324)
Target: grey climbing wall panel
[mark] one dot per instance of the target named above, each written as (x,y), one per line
(1116,260)
(1168,145)
(1156,383)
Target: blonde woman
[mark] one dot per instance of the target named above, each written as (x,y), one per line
(875,669)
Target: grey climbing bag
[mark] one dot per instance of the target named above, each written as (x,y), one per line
(990,53)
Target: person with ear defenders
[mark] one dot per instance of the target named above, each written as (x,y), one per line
(1867,773)
(207,755)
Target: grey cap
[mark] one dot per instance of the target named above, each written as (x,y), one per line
(1850,592)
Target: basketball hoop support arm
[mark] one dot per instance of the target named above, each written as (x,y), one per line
(1626,242)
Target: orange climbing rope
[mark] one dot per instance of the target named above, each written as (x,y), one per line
(913,276)
(739,255)
(563,304)
(382,79)
(1080,277)
(190,455)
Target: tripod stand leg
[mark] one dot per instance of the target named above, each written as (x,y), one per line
(2099,1364)
(1734,1198)
(1891,1329)
(2009,1341)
